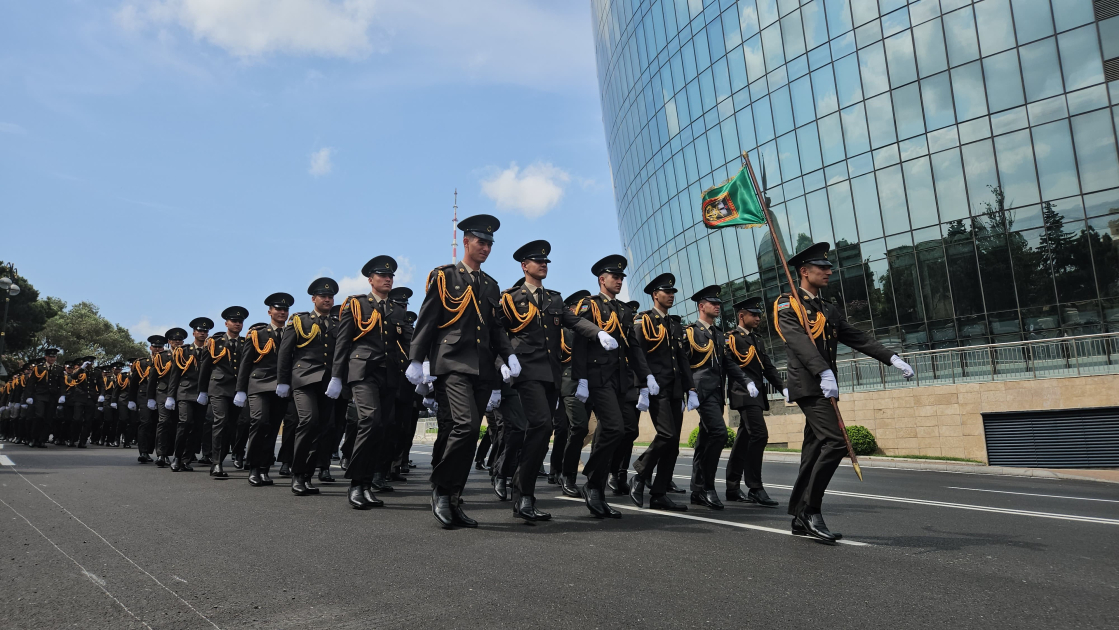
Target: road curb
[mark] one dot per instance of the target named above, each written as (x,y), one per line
(947,466)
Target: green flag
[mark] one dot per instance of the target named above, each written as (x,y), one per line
(733,203)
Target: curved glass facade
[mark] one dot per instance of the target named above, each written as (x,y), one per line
(960,156)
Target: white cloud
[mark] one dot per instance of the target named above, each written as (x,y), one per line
(404,272)
(531,192)
(254,28)
(320,162)
(145,328)
(353,285)
(6,127)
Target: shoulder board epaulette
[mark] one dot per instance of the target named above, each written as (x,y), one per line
(218,335)
(258,326)
(302,314)
(551,292)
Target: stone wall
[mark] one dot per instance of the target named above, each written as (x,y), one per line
(942,421)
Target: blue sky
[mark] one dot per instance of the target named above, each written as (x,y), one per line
(165,159)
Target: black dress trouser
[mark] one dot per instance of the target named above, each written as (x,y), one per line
(821,453)
(559,439)
(514,426)
(608,435)
(314,409)
(710,443)
(224,431)
(578,423)
(165,428)
(538,402)
(667,414)
(466,397)
(266,412)
(631,418)
(745,461)
(191,418)
(373,400)
(145,432)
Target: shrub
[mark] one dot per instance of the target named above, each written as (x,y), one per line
(482,431)
(695,436)
(862,440)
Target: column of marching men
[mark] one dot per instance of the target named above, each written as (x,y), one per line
(348,381)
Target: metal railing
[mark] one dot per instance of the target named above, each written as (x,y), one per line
(1082,355)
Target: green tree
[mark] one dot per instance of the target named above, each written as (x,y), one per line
(27,314)
(82,331)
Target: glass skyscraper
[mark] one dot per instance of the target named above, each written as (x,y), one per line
(961,157)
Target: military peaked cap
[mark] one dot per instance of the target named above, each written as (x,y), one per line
(665,282)
(380,265)
(536,250)
(480,225)
(813,255)
(614,263)
(323,286)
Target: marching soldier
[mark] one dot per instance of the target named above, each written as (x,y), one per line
(256,384)
(217,385)
(604,376)
(163,395)
(534,318)
(812,383)
(184,390)
(107,399)
(618,482)
(662,339)
(126,416)
(140,402)
(81,394)
(42,394)
(750,441)
(305,373)
(458,331)
(711,366)
(575,412)
(366,338)
(405,412)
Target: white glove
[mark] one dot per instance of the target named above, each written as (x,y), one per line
(25,407)
(239,399)
(506,375)
(423,389)
(828,384)
(203,398)
(906,369)
(428,378)
(113,405)
(31,401)
(608,342)
(131,406)
(169,403)
(334,388)
(651,383)
(494,401)
(283,391)
(785,393)
(414,373)
(582,392)
(693,401)
(100,399)
(62,400)
(429,403)
(753,389)
(85,365)
(151,404)
(643,400)
(514,365)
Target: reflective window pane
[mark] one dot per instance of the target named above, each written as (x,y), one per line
(744,120)
(864,191)
(763,120)
(891,195)
(782,110)
(1041,69)
(995,26)
(936,96)
(854,130)
(863,11)
(1072,13)
(959,32)
(819,215)
(847,80)
(1004,82)
(995,269)
(906,285)
(1080,58)
(842,214)
(787,154)
(815,26)
(801,94)
(792,35)
(1016,169)
(928,41)
(1095,151)
(951,193)
(1105,252)
(967,293)
(979,166)
(809,147)
(1032,19)
(919,191)
(899,56)
(1056,164)
(1033,276)
(907,112)
(880,116)
(823,86)
(934,282)
(755,60)
(831,138)
(839,17)
(771,46)
(872,66)
(968,92)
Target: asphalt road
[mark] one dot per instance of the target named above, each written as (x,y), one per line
(91,539)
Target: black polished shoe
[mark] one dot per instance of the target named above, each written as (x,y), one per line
(238,463)
(593,497)
(380,484)
(613,485)
(623,482)
(501,488)
(254,478)
(367,490)
(265,478)
(205,461)
(761,497)
(143,459)
(526,509)
(344,464)
(357,498)
(458,517)
(217,470)
(611,512)
(325,476)
(285,470)
(160,461)
(185,466)
(568,487)
(664,503)
(299,487)
(709,498)
(552,479)
(441,508)
(735,495)
(637,491)
(672,487)
(396,476)
(307,482)
(814,526)
(175,466)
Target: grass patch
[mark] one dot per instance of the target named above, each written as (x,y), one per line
(774,449)
(935,458)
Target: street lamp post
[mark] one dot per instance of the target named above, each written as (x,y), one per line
(10,290)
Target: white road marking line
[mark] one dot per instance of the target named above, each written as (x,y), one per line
(1030,494)
(704,519)
(5,461)
(92,578)
(968,506)
(179,579)
(110,545)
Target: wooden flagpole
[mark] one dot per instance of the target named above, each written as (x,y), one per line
(793,292)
